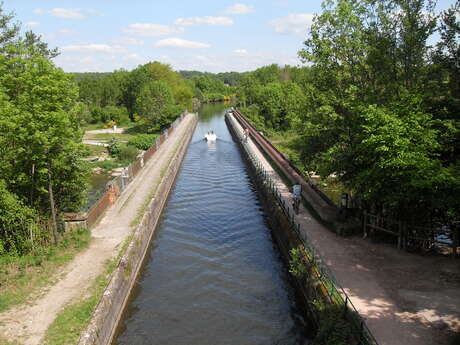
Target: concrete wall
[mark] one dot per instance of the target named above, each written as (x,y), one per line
(109,311)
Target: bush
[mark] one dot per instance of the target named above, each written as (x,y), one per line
(142,141)
(127,153)
(118,114)
(97,114)
(16,222)
(114,147)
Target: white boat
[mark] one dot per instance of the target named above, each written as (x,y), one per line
(210,137)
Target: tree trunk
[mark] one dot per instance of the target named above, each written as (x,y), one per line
(53,209)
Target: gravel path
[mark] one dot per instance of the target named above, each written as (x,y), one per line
(405,298)
(27,324)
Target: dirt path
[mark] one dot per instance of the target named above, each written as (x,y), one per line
(405,298)
(28,323)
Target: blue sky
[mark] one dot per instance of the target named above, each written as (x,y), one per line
(214,36)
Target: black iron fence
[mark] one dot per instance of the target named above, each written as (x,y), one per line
(323,288)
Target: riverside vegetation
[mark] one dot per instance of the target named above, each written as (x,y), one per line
(377,108)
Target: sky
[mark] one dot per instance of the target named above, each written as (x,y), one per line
(204,35)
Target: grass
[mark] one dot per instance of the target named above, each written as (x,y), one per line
(108,164)
(22,276)
(74,318)
(289,144)
(107,136)
(94,150)
(92,126)
(331,187)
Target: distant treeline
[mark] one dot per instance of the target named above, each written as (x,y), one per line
(228,78)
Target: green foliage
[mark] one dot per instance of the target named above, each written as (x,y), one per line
(297,264)
(142,141)
(370,108)
(114,146)
(334,329)
(17,224)
(36,114)
(127,153)
(108,164)
(209,89)
(21,275)
(228,78)
(156,106)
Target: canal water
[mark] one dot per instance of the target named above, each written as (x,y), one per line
(214,275)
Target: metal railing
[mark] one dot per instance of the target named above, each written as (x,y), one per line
(326,286)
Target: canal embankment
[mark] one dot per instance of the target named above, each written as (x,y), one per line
(112,228)
(398,302)
(113,302)
(214,274)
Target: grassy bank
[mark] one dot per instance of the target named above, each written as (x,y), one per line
(289,143)
(74,318)
(21,276)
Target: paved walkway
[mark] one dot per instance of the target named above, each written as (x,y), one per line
(28,324)
(405,298)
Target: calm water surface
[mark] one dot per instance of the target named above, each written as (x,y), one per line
(214,275)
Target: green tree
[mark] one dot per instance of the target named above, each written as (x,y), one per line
(155,104)
(41,135)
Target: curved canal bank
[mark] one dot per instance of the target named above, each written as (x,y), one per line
(214,275)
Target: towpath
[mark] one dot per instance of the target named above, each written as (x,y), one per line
(405,298)
(27,324)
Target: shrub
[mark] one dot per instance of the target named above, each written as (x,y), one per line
(127,153)
(118,114)
(142,141)
(114,147)
(16,222)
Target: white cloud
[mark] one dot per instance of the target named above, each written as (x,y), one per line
(296,23)
(87,61)
(67,13)
(240,52)
(32,24)
(151,30)
(135,58)
(129,41)
(93,48)
(215,21)
(59,34)
(180,43)
(239,9)
(74,13)
(230,62)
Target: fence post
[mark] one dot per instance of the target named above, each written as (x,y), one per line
(455,239)
(365,224)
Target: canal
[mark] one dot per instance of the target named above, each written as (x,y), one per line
(214,275)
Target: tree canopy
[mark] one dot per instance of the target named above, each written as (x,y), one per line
(377,106)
